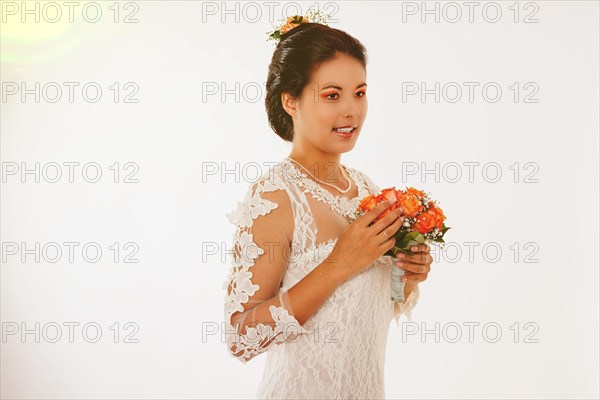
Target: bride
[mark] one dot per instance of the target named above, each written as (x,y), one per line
(306,287)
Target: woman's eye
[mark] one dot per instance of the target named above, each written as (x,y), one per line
(362,93)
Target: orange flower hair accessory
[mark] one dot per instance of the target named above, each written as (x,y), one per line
(295,20)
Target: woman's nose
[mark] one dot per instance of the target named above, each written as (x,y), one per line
(351,109)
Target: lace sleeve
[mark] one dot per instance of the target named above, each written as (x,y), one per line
(261,314)
(407,306)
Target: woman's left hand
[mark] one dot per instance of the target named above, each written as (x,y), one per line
(417,266)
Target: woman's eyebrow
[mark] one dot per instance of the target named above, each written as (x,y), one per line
(339,88)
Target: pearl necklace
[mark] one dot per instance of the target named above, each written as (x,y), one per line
(325,183)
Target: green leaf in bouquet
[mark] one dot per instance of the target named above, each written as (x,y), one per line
(410,239)
(400,234)
(403,244)
(414,237)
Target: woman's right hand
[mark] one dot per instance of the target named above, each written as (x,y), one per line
(361,243)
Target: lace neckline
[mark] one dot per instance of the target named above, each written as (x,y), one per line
(342,205)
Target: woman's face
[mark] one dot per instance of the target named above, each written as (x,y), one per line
(336,97)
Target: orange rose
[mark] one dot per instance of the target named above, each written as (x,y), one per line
(372,200)
(368,203)
(411,203)
(389,194)
(437,214)
(414,192)
(425,223)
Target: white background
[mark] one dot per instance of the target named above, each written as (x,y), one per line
(174,293)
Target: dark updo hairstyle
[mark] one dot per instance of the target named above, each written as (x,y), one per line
(298,54)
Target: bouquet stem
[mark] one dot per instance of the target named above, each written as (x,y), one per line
(397,284)
(405,239)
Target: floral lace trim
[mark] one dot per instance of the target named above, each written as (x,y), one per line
(340,204)
(256,339)
(254,205)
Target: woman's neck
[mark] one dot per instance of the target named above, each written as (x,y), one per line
(325,167)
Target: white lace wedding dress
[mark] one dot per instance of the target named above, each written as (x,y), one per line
(340,351)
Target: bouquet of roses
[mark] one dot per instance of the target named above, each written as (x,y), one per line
(423,223)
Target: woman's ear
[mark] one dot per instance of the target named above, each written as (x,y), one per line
(289,103)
